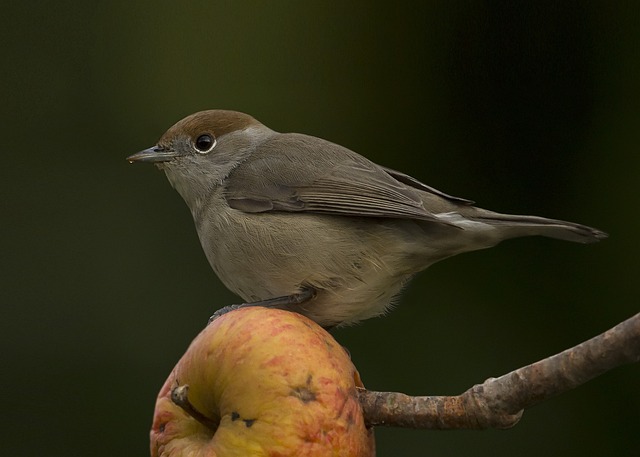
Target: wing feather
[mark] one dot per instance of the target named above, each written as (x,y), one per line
(293,172)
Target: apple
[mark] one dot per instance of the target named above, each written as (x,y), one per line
(261,382)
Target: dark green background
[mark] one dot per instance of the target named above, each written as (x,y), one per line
(530,108)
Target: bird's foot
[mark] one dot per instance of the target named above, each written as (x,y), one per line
(288,302)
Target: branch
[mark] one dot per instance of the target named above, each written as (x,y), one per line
(500,402)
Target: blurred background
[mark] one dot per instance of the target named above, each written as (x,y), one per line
(523,107)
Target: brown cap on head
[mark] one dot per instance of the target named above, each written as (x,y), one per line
(216,122)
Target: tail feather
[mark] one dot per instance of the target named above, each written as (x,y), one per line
(516,226)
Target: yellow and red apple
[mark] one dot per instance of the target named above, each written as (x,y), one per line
(262,382)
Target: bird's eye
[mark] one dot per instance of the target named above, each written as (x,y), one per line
(205,143)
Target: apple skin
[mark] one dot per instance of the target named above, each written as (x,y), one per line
(273,382)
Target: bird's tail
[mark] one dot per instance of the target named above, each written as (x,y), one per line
(512,226)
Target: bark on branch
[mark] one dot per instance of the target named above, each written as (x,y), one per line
(500,402)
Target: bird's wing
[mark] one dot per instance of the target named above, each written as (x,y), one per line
(413,182)
(294,173)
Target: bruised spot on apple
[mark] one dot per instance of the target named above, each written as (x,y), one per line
(261,382)
(305,393)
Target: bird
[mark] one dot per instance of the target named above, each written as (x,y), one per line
(293,221)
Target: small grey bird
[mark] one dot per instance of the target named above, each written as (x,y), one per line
(297,222)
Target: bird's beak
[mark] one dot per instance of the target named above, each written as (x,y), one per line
(155,154)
